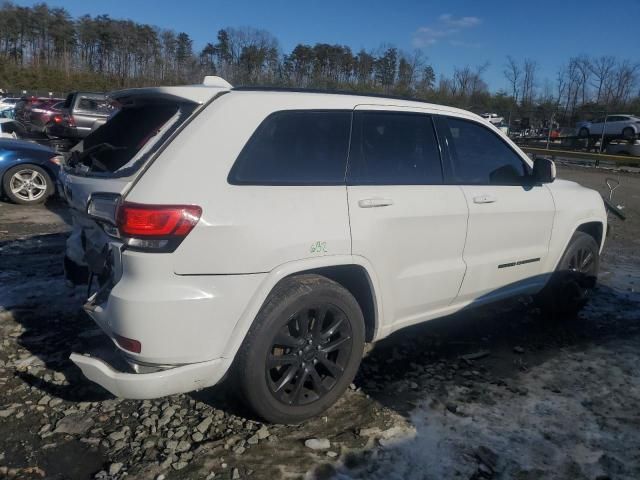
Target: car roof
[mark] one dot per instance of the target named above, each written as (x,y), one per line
(352,99)
(212,86)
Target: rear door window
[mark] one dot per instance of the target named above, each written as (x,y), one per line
(394,148)
(296,147)
(478,156)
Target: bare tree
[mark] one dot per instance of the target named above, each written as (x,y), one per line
(561,85)
(583,67)
(529,69)
(468,81)
(626,78)
(512,73)
(602,69)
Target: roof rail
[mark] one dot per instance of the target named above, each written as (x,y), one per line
(333,92)
(215,81)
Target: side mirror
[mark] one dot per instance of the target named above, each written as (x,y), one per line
(544,170)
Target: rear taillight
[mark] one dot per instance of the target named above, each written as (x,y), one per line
(71,120)
(57,119)
(155,227)
(128,344)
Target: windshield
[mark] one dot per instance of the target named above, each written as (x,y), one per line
(124,143)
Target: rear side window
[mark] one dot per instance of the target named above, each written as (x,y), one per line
(391,148)
(478,155)
(94,105)
(296,148)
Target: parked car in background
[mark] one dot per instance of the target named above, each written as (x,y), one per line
(624,148)
(627,126)
(10,128)
(28,171)
(271,233)
(81,113)
(39,114)
(8,107)
(8,103)
(20,108)
(493,118)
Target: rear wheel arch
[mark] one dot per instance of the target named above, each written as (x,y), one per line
(357,281)
(288,368)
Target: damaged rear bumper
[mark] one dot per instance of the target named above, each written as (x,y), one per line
(181,379)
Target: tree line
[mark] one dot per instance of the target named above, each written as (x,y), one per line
(44,48)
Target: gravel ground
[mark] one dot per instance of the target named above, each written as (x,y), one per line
(499,392)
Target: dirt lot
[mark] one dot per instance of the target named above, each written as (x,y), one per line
(497,393)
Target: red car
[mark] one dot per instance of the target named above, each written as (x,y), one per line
(39,113)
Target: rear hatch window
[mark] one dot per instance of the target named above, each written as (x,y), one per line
(128,139)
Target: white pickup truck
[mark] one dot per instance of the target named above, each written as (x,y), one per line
(270,234)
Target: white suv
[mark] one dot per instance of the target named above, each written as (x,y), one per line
(270,234)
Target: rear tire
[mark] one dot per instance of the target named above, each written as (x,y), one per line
(583,132)
(629,133)
(27,184)
(302,351)
(572,284)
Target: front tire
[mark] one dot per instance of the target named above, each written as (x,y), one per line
(629,133)
(572,284)
(583,132)
(302,351)
(27,184)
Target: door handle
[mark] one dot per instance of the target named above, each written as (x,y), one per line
(374,202)
(484,199)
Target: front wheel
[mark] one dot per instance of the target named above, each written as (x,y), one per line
(583,132)
(629,133)
(302,351)
(572,284)
(27,184)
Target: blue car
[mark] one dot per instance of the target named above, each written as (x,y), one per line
(28,171)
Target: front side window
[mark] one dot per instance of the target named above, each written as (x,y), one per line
(393,148)
(478,156)
(296,147)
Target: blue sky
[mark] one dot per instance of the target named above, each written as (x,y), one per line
(449,33)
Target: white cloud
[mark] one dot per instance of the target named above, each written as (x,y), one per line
(446,26)
(459,22)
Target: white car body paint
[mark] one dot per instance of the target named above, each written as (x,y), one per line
(427,250)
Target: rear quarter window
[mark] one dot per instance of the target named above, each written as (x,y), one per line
(98,106)
(296,148)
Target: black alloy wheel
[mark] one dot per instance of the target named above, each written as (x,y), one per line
(302,350)
(308,355)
